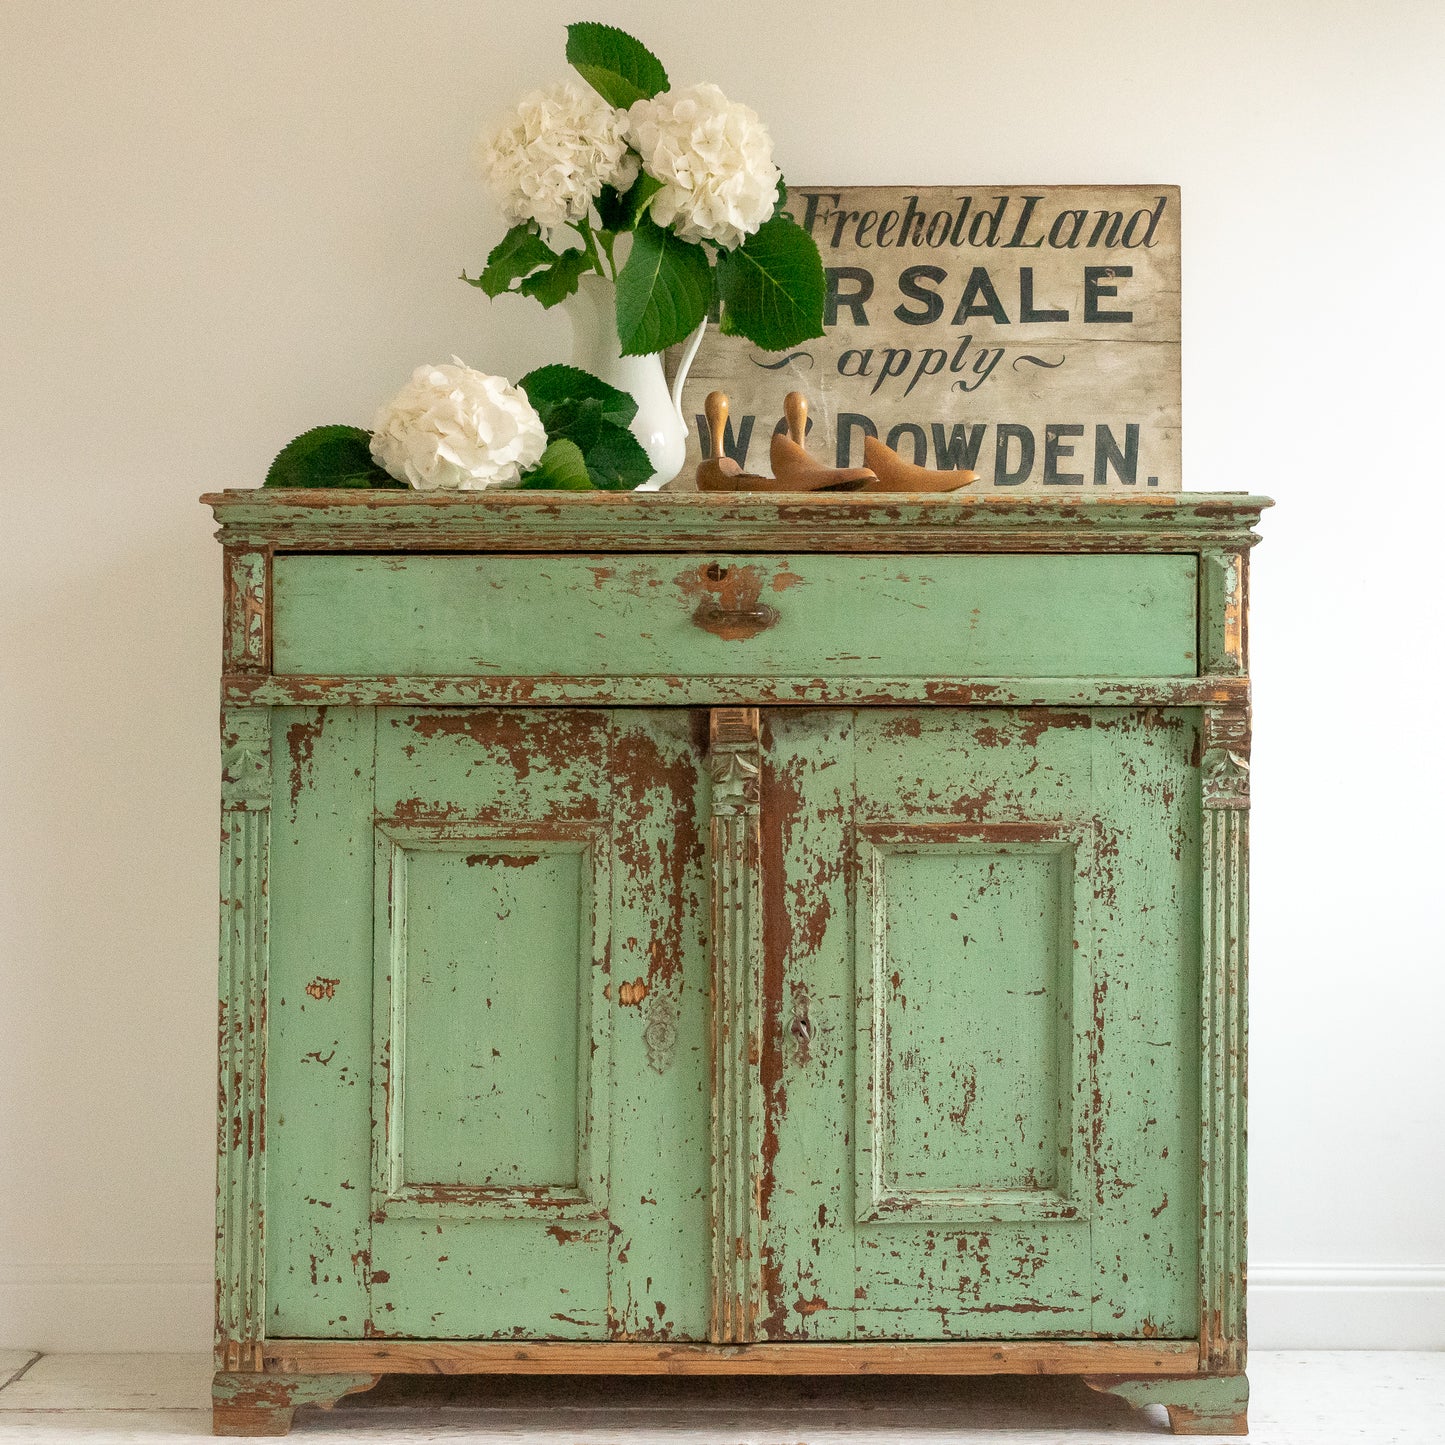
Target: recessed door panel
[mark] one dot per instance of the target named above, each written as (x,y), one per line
(488,1010)
(987,1127)
(486,941)
(966,975)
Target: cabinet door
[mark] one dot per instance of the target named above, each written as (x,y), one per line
(487,1082)
(981,1025)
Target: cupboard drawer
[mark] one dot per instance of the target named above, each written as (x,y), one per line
(687,617)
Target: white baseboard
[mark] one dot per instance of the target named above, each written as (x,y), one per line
(74,1308)
(1346,1307)
(100,1308)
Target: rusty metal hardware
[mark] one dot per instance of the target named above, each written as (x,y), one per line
(734,623)
(801,1029)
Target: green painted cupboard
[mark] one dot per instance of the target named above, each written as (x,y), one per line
(692,934)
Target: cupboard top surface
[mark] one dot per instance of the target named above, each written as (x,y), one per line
(509,521)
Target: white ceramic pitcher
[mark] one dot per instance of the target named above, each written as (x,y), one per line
(659,424)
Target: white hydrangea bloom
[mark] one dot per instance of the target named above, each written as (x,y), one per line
(715,162)
(451,428)
(550,159)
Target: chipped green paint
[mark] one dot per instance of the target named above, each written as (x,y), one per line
(256,1404)
(628,616)
(241,1134)
(992,917)
(1224,921)
(444,1159)
(737,1020)
(911,1012)
(1197,1404)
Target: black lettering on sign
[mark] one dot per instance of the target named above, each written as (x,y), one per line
(1094,288)
(920,442)
(1027,310)
(1005,475)
(955,237)
(841,219)
(930,363)
(983,364)
(847,422)
(910,283)
(987,235)
(812,204)
(895,363)
(735,443)
(1153,213)
(1054,448)
(979,299)
(1074,221)
(1017,239)
(960,451)
(1106,228)
(912,218)
(836,297)
(1107,453)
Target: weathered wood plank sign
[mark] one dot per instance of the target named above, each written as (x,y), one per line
(1028,333)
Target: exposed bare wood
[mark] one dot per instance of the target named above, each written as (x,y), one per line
(246,616)
(393,521)
(1224,936)
(240,689)
(241,1130)
(734,762)
(974,1357)
(257,1405)
(1197,1404)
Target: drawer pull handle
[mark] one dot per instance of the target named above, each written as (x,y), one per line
(734,623)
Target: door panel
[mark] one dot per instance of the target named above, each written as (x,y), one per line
(951,1127)
(993,912)
(485,1069)
(536,1144)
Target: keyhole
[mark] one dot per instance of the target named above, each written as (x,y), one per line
(716,573)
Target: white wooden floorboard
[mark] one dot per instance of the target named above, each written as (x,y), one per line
(1298,1399)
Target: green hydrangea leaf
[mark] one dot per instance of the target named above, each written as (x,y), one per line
(772,287)
(619,210)
(663,290)
(556,282)
(637,200)
(560,468)
(548,386)
(618,67)
(611,209)
(616,461)
(577,420)
(520,252)
(328,456)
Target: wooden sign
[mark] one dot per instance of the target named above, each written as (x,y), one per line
(1028,333)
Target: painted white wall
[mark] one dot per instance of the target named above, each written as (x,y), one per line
(220,224)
